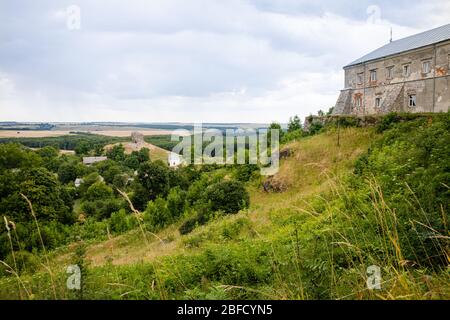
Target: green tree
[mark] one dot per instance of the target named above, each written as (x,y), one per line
(294,124)
(83,147)
(227,196)
(67,172)
(276,126)
(51,159)
(98,191)
(244,172)
(116,153)
(121,221)
(48,153)
(88,181)
(133,160)
(48,197)
(176,202)
(142,155)
(157,215)
(140,196)
(13,155)
(111,172)
(120,180)
(154,177)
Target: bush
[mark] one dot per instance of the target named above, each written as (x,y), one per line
(404,178)
(176,202)
(26,262)
(245,172)
(101,209)
(227,196)
(157,215)
(387,122)
(315,128)
(121,221)
(90,229)
(200,218)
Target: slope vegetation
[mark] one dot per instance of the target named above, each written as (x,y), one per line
(366,198)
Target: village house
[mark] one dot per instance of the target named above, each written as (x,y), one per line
(406,75)
(174,159)
(91,160)
(78,182)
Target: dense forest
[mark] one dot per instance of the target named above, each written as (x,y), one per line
(346,197)
(82,143)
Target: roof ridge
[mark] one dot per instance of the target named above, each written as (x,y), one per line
(421,33)
(408,43)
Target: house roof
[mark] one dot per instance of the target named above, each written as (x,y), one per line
(91,160)
(409,43)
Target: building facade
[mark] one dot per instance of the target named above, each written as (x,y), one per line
(407,75)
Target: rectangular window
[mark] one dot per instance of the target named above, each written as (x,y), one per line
(406,70)
(360,77)
(412,100)
(390,73)
(358,101)
(373,75)
(377,102)
(426,66)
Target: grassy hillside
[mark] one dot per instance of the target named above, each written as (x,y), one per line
(380,198)
(155,153)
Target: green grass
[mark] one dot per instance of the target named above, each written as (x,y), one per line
(313,241)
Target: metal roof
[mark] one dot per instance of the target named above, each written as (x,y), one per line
(409,43)
(91,160)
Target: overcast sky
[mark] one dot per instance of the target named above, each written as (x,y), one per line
(190,60)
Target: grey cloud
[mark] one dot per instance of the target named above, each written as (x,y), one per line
(187,57)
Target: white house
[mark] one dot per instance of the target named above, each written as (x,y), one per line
(174,159)
(78,182)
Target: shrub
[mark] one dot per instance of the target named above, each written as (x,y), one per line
(315,128)
(176,202)
(121,221)
(101,209)
(405,178)
(26,262)
(200,218)
(157,215)
(227,196)
(245,172)
(387,122)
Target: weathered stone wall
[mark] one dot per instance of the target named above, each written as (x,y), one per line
(431,89)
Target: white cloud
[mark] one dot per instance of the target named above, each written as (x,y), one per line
(171,60)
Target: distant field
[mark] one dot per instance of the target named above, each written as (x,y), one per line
(127,133)
(57,133)
(32,133)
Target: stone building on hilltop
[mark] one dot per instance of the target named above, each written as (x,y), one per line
(407,75)
(137,140)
